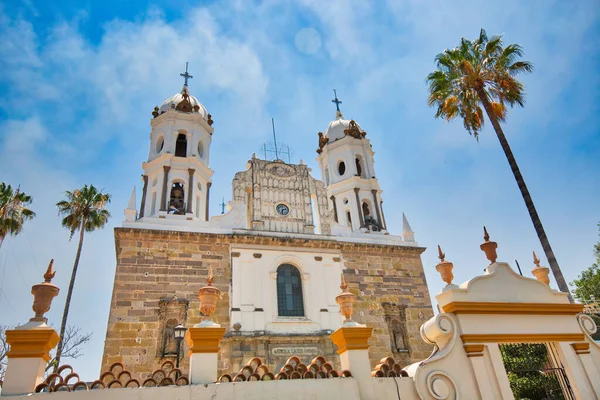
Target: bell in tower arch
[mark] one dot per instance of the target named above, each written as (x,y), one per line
(176,203)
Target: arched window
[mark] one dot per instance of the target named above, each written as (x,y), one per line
(341,168)
(200,149)
(289,292)
(160,143)
(181,146)
(365,210)
(358,167)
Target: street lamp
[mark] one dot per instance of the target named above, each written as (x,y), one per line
(179,335)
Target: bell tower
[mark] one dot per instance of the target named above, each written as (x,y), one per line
(177,177)
(346,159)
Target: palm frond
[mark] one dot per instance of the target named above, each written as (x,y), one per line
(14,210)
(84,208)
(480,66)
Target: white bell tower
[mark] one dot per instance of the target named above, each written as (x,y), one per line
(177,177)
(347,164)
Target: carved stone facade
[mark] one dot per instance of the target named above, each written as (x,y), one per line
(155,265)
(282,197)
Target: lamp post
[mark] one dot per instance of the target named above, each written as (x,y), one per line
(179,335)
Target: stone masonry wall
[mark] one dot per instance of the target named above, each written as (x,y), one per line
(153,266)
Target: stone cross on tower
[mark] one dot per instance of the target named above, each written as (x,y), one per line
(185,75)
(336,101)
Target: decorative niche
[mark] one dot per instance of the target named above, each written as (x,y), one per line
(172,312)
(395,318)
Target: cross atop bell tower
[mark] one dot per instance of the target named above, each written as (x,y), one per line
(338,113)
(186,75)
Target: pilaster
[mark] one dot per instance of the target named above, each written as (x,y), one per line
(163,199)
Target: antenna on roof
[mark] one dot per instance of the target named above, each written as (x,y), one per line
(274,138)
(280,149)
(518,266)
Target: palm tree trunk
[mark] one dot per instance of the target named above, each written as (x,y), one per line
(1,240)
(537,223)
(63,324)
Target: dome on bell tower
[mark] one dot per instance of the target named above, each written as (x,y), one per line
(183,102)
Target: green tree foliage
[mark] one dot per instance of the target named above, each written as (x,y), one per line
(84,210)
(587,286)
(529,373)
(587,283)
(482,73)
(14,211)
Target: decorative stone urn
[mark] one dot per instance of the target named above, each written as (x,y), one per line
(346,302)
(540,273)
(208,296)
(444,268)
(43,293)
(489,248)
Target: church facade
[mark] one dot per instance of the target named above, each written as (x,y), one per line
(277,254)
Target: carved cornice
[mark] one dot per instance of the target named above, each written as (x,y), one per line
(474,350)
(464,307)
(351,338)
(522,337)
(581,348)
(204,340)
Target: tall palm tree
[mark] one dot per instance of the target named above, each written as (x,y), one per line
(84,211)
(482,72)
(13,211)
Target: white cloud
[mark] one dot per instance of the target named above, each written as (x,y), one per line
(77,112)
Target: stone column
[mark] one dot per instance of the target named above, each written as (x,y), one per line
(353,347)
(382,215)
(335,214)
(376,204)
(163,200)
(144,190)
(475,354)
(204,353)
(208,185)
(361,218)
(190,190)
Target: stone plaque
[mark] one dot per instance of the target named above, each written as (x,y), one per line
(295,351)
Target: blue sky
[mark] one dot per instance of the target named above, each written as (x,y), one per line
(79,81)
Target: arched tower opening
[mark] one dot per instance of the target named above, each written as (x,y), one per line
(176,200)
(181,146)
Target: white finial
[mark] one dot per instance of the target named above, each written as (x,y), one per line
(132,202)
(131,211)
(407,232)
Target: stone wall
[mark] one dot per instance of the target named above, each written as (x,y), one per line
(154,266)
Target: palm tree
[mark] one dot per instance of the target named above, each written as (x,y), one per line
(483,72)
(13,211)
(84,211)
